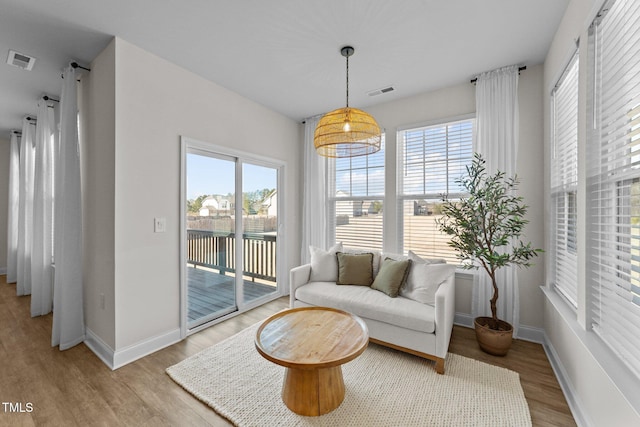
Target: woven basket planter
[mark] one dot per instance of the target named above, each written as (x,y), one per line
(492,341)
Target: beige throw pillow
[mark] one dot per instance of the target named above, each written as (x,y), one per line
(324,267)
(376,256)
(355,269)
(391,276)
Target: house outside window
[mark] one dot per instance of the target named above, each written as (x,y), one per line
(356,200)
(430,160)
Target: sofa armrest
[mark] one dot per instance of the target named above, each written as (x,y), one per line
(298,276)
(444,313)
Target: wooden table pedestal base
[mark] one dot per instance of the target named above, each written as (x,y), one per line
(312,343)
(313,392)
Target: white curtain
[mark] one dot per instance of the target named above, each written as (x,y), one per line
(497,142)
(68,313)
(42,246)
(13,209)
(25,208)
(314,198)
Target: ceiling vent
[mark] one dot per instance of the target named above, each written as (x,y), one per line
(20,60)
(381,91)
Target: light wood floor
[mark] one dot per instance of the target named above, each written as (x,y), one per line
(75,388)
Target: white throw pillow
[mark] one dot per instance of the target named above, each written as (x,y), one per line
(324,264)
(424,280)
(395,257)
(418,259)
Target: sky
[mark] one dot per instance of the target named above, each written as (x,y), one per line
(208,175)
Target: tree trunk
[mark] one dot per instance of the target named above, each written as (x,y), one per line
(493,301)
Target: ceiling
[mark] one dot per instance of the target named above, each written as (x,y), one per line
(284,54)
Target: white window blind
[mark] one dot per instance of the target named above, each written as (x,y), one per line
(356,197)
(430,159)
(614,180)
(564,182)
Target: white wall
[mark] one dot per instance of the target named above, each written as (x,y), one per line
(156,103)
(600,390)
(4,198)
(457,101)
(98,186)
(530,171)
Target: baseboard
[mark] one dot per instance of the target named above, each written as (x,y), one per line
(99,347)
(3,271)
(119,358)
(569,393)
(530,333)
(463,319)
(526,333)
(136,351)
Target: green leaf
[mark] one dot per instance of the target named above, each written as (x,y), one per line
(486,226)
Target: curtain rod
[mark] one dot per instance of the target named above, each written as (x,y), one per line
(48,98)
(75,65)
(475,79)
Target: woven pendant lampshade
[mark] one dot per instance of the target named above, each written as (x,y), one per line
(347,132)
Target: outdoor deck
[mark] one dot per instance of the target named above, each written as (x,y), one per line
(210,291)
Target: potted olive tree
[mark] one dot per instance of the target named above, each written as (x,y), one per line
(485,230)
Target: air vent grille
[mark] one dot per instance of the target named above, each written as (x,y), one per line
(20,60)
(381,91)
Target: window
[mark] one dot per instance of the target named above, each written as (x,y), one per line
(356,198)
(564,182)
(628,230)
(430,159)
(613,179)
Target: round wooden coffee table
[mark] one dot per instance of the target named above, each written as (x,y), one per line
(312,343)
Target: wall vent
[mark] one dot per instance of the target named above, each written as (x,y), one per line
(20,60)
(381,91)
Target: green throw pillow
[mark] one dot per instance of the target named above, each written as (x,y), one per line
(355,269)
(391,276)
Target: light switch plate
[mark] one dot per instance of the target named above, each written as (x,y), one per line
(159,225)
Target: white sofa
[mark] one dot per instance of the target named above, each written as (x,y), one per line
(400,323)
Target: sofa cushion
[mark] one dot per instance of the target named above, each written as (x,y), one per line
(324,265)
(370,304)
(415,258)
(355,269)
(424,280)
(418,259)
(376,256)
(391,276)
(393,256)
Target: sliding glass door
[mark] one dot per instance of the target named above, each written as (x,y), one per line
(260,230)
(210,225)
(230,243)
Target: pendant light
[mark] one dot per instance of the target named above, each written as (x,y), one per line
(347,132)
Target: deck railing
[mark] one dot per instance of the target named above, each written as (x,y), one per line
(217,250)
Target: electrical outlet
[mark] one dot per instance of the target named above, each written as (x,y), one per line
(159,225)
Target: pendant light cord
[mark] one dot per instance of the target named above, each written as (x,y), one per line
(347,81)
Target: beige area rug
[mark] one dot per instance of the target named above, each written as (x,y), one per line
(384,387)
